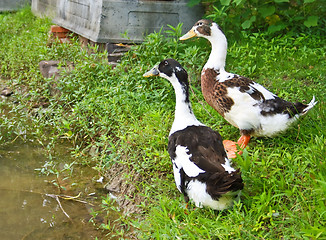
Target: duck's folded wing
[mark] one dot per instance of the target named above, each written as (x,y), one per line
(197,150)
(247,86)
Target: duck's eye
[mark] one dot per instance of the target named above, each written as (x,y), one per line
(200,24)
(166,63)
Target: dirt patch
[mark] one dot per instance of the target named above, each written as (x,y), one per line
(122,183)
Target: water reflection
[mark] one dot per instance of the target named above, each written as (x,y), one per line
(27,208)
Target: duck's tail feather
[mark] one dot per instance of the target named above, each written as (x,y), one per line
(310,105)
(223,182)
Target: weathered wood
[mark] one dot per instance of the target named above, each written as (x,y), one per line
(12,5)
(106,20)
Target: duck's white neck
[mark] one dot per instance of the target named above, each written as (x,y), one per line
(184,115)
(219,44)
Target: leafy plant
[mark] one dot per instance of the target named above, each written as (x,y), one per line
(270,16)
(60,174)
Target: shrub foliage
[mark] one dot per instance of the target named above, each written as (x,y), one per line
(266,15)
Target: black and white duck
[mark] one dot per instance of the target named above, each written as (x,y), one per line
(202,171)
(244,103)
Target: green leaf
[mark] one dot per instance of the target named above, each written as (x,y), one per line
(237,2)
(281,1)
(225,2)
(267,11)
(308,1)
(312,21)
(246,24)
(276,28)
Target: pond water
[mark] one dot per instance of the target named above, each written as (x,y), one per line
(27,208)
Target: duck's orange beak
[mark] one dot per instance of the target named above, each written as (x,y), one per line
(188,35)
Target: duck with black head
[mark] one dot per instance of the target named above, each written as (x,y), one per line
(202,171)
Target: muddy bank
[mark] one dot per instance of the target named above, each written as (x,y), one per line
(118,180)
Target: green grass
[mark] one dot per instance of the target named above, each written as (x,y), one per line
(127,118)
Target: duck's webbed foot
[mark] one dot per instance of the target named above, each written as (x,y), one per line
(230,148)
(243,141)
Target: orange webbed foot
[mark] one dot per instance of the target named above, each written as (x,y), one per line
(243,141)
(230,148)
